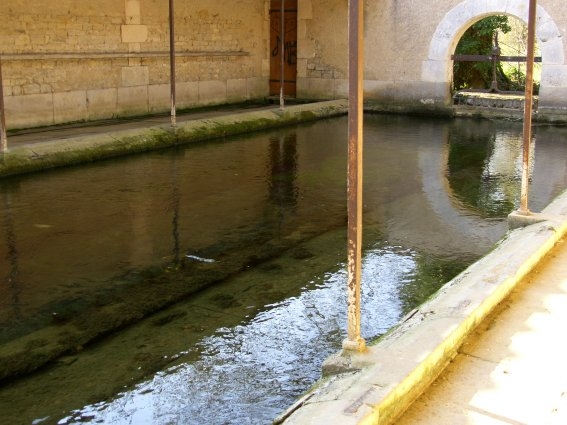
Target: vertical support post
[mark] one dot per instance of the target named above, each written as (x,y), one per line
(172,60)
(3,137)
(528,106)
(354,190)
(282,51)
(495,58)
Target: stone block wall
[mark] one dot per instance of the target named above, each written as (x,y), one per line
(76,61)
(322,53)
(71,61)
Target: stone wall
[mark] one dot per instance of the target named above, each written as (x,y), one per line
(72,61)
(408,49)
(322,48)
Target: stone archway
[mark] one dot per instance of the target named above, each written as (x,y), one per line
(437,68)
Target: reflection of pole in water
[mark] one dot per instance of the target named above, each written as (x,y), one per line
(14,286)
(283,170)
(175,199)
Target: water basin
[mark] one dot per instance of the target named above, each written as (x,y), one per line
(206,284)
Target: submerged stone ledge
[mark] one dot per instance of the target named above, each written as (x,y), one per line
(131,298)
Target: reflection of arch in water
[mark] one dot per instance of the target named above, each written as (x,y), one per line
(457,219)
(438,66)
(484,168)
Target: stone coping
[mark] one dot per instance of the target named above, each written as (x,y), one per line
(106,143)
(377,385)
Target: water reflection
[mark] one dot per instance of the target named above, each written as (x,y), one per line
(282,186)
(13,290)
(263,217)
(485,168)
(229,381)
(175,200)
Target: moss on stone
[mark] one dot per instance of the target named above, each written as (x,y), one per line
(67,152)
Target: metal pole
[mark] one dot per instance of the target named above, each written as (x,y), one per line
(354,190)
(172,60)
(528,109)
(282,51)
(3,137)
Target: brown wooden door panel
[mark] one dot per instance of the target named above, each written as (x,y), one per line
(290,47)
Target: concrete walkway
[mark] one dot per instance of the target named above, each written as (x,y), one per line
(486,349)
(512,369)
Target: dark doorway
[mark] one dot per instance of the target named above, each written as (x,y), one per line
(289,50)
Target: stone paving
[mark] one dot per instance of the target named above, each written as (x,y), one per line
(512,368)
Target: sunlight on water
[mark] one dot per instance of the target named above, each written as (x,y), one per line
(249,373)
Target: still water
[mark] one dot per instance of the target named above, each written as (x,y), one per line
(206,284)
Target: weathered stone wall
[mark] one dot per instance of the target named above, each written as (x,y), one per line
(68,61)
(408,45)
(322,46)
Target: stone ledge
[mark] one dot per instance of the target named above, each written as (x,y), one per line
(76,149)
(492,100)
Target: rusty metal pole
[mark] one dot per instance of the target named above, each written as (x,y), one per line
(354,190)
(172,61)
(528,106)
(3,137)
(282,52)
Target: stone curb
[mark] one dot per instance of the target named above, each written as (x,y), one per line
(376,386)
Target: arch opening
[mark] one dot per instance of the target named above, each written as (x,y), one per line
(438,67)
(491,56)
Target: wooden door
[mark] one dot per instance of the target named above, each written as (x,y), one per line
(289,50)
